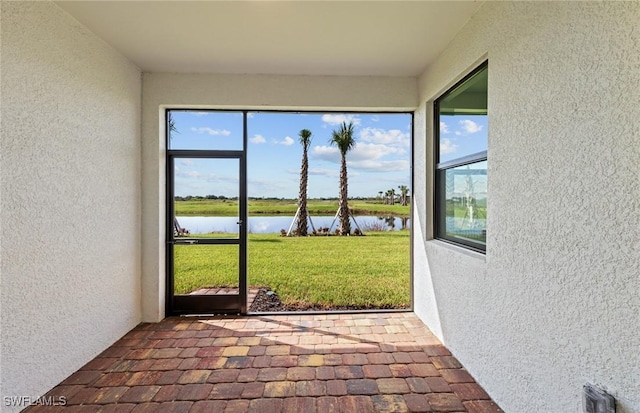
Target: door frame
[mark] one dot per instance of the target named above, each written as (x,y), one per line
(207,304)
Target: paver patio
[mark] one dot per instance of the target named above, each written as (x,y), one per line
(372,362)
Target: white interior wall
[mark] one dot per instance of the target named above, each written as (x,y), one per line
(556,302)
(267,92)
(70,184)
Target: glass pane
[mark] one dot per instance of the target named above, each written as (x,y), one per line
(206,195)
(466,202)
(462,117)
(205,130)
(206,269)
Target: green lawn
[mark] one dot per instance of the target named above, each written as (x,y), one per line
(227,207)
(371,271)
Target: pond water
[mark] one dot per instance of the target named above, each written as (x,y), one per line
(269,224)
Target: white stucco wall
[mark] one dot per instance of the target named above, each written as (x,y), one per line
(556,302)
(70,185)
(266,92)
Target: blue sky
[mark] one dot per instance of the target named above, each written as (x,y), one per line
(380,161)
(462,135)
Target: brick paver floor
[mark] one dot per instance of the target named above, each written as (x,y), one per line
(351,363)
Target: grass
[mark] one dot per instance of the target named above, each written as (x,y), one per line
(229,207)
(370,271)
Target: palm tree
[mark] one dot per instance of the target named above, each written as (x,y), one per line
(404,191)
(344,140)
(380,195)
(305,141)
(172,125)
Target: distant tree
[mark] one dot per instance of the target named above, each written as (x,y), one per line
(305,141)
(343,138)
(392,196)
(380,195)
(404,191)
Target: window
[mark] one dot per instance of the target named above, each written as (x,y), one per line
(461,162)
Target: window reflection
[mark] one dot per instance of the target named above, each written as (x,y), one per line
(466,202)
(462,116)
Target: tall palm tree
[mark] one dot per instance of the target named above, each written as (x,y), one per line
(404,191)
(305,141)
(343,138)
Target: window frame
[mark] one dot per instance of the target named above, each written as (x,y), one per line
(440,169)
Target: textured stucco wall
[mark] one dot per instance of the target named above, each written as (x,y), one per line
(556,302)
(266,92)
(70,184)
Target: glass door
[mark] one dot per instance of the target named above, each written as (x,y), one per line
(206,254)
(206,247)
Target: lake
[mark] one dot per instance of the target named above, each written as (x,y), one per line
(267,224)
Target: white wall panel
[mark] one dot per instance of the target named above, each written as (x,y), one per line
(556,302)
(70,184)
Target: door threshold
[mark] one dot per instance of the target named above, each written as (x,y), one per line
(325,312)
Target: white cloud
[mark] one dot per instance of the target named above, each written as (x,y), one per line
(361,152)
(327,153)
(199,113)
(381,166)
(338,119)
(212,132)
(388,137)
(287,141)
(470,126)
(370,151)
(446,146)
(186,162)
(257,139)
(187,174)
(444,128)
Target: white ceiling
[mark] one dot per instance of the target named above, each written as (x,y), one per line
(384,38)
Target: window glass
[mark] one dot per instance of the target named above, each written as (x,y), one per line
(205,130)
(465,202)
(463,119)
(461,162)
